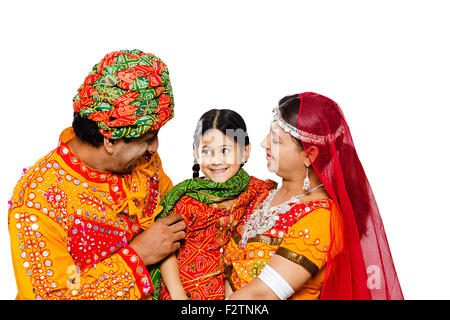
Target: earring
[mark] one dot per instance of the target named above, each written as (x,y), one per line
(307,182)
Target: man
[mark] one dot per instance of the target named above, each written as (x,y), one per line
(81,220)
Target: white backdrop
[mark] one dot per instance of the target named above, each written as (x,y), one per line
(385,62)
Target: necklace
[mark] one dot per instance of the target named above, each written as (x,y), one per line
(265,217)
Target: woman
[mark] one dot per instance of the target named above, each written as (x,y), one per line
(320,235)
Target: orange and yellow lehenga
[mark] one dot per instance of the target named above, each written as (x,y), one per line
(70,225)
(301,234)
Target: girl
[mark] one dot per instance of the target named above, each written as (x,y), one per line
(212,206)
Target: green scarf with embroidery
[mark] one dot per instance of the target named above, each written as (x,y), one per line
(204,190)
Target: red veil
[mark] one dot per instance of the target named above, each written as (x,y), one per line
(360,264)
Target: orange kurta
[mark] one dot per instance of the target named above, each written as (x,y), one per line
(301,235)
(69,227)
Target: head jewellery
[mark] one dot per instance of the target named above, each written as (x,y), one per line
(303,135)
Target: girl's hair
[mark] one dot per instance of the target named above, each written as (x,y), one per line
(227,121)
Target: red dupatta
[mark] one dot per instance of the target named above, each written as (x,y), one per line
(359,265)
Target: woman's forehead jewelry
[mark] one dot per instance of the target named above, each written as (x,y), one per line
(303,135)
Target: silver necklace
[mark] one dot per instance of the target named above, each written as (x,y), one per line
(264,217)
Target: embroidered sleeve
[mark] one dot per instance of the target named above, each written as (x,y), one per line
(307,241)
(44,268)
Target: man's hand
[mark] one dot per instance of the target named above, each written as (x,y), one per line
(160,239)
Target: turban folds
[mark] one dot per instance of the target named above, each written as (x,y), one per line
(127,93)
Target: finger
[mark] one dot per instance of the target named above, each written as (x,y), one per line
(173,218)
(179,236)
(175,246)
(179,226)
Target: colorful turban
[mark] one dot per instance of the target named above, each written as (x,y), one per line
(127,93)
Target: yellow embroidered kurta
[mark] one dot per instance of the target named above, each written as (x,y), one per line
(69,227)
(301,235)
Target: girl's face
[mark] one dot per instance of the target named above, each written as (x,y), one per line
(219,156)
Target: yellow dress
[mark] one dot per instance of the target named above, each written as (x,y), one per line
(301,235)
(69,227)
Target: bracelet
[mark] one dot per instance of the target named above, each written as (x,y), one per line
(276,282)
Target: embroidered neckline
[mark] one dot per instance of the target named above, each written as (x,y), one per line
(264,217)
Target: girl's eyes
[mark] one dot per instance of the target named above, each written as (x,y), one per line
(275,141)
(206,152)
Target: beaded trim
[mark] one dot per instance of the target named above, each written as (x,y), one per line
(303,135)
(258,238)
(299,259)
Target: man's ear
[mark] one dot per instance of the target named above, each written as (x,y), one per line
(109,145)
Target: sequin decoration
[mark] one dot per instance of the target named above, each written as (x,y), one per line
(301,235)
(70,226)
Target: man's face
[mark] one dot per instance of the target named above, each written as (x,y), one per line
(126,154)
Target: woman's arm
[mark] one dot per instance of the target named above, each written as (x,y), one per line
(171,277)
(294,274)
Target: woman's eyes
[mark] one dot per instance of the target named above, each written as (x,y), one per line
(225,151)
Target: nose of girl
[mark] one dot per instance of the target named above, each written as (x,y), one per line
(215,159)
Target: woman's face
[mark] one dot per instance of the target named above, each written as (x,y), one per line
(283,154)
(219,156)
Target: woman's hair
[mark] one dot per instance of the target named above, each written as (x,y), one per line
(322,118)
(227,121)
(312,118)
(289,108)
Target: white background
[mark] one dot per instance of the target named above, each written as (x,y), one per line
(385,62)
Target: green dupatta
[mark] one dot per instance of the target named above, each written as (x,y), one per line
(204,190)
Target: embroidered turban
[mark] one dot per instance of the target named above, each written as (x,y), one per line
(127,93)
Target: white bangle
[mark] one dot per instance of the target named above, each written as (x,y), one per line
(276,283)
